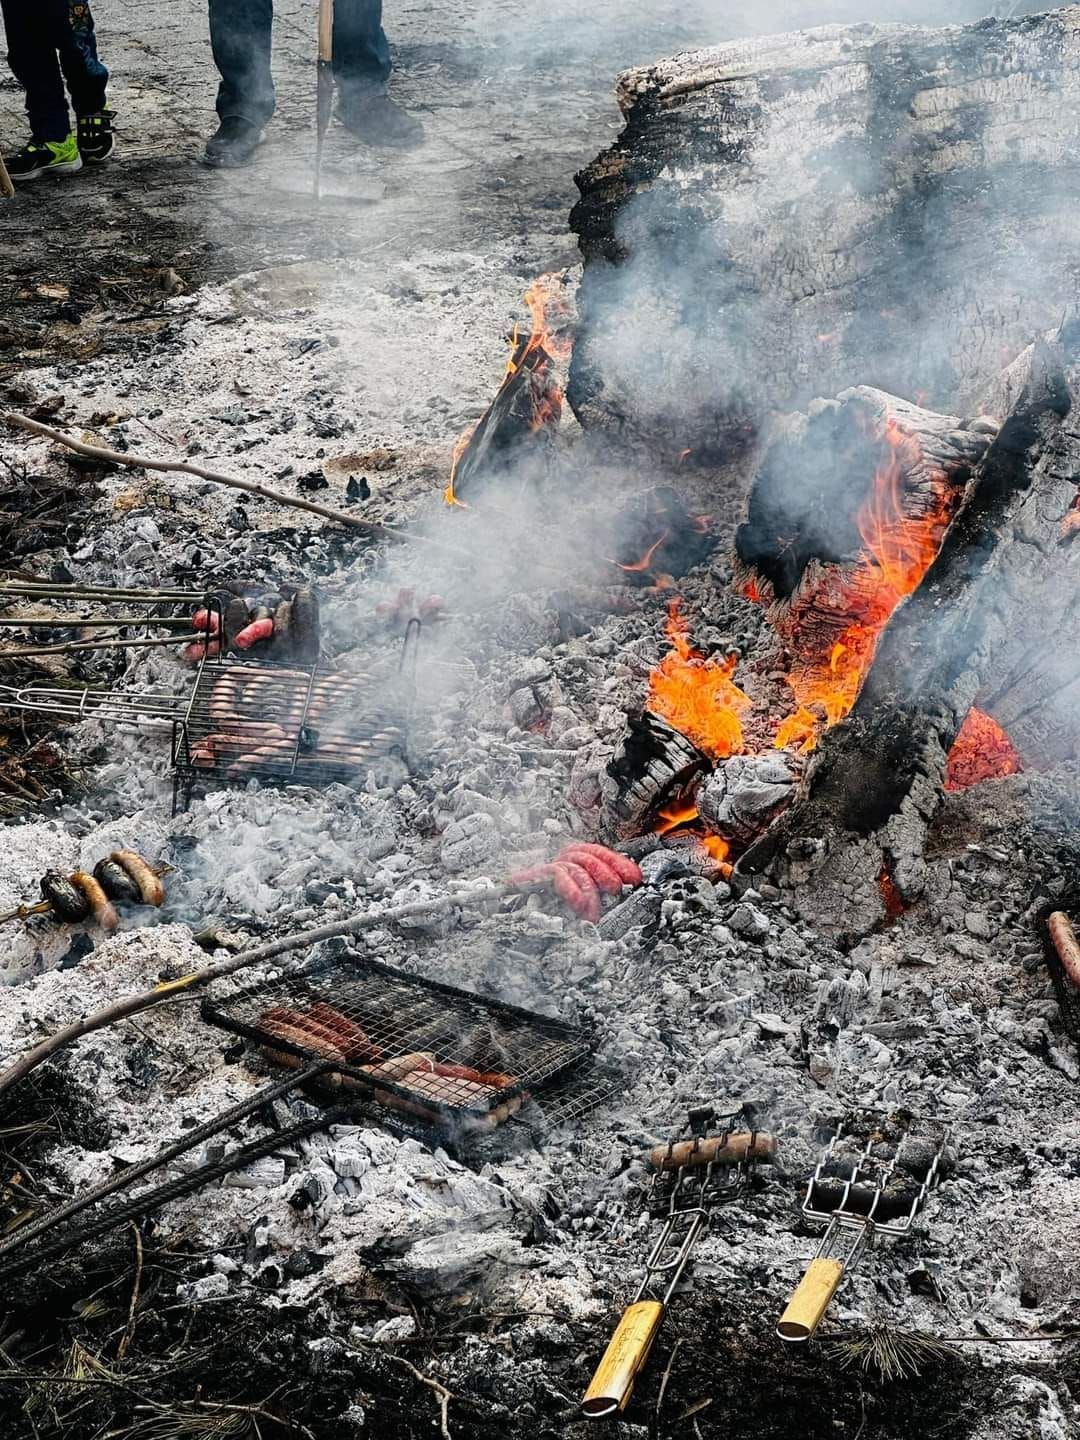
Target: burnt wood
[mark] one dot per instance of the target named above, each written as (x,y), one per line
(791,215)
(875,782)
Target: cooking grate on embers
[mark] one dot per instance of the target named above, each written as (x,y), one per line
(281,723)
(447,1056)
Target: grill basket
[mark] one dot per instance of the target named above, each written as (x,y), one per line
(426,1050)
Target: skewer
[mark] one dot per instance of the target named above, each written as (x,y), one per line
(70,647)
(70,622)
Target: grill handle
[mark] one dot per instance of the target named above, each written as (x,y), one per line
(810,1299)
(613,1383)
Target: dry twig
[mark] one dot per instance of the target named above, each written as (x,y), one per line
(250,487)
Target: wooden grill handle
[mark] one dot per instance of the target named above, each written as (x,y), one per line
(613,1383)
(326,29)
(810,1300)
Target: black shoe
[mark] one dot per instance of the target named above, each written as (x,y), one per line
(234,144)
(95,136)
(374,118)
(60,157)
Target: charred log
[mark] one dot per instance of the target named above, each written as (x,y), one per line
(792,215)
(851,848)
(653,767)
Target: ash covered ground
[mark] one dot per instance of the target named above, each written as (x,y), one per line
(353,1281)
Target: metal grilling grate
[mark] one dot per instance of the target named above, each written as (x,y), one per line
(428,1050)
(283,723)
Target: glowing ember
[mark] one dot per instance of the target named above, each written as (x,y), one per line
(674,815)
(981,751)
(893,901)
(459,450)
(898,551)
(696,695)
(717,846)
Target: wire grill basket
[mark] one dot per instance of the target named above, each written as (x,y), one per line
(446,1056)
(283,723)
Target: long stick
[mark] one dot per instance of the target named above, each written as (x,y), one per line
(104,642)
(251,487)
(324,81)
(146,999)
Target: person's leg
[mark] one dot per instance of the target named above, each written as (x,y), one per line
(240,35)
(361,69)
(33,60)
(86,76)
(361,50)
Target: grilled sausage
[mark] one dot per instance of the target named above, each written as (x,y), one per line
(303,1040)
(354,1041)
(604,875)
(116,882)
(279,1015)
(628,871)
(1065,943)
(66,899)
(150,887)
(401,1065)
(101,907)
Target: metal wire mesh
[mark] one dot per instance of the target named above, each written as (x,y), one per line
(284,722)
(878,1168)
(419,1047)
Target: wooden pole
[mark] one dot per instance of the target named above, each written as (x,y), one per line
(7,189)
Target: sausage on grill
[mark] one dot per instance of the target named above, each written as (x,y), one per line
(151,890)
(101,907)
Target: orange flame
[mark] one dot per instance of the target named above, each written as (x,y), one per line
(696,695)
(898,551)
(548,309)
(645,563)
(674,815)
(981,751)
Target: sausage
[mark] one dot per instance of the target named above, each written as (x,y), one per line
(495,1078)
(303,1040)
(116,882)
(354,1041)
(101,907)
(69,902)
(1066,944)
(400,1065)
(604,875)
(715,1150)
(576,887)
(150,886)
(279,1015)
(628,871)
(201,650)
(253,633)
(206,620)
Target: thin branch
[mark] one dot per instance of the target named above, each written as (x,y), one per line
(129,1332)
(445,1396)
(145,1000)
(250,487)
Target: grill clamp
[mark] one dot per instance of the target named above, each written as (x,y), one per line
(860,1196)
(692,1178)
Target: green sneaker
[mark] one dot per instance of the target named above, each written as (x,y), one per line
(60,157)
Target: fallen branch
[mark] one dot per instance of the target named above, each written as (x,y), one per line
(250,487)
(129,1005)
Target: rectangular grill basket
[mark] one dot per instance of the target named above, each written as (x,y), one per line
(282,723)
(515,1051)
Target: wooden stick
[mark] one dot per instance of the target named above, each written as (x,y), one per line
(145,1000)
(7,189)
(250,487)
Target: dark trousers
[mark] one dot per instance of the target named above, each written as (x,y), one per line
(50,41)
(240,36)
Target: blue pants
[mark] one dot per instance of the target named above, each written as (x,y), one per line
(240,36)
(50,41)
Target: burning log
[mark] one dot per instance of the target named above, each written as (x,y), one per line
(828,197)
(528,403)
(851,847)
(653,764)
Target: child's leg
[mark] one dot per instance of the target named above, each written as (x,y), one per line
(33,61)
(86,76)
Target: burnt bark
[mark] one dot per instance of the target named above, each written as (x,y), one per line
(875,783)
(789,216)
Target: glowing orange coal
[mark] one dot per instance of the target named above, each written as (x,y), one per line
(897,552)
(645,563)
(697,695)
(674,815)
(981,751)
